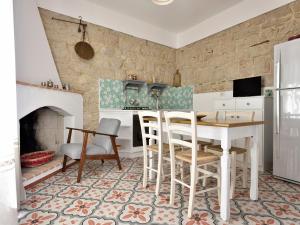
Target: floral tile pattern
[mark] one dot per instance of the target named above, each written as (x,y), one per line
(107,196)
(81,207)
(38,218)
(118,196)
(112,96)
(35,201)
(255,220)
(96,221)
(73,192)
(136,213)
(57,204)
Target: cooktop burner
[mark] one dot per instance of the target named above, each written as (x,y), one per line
(136,108)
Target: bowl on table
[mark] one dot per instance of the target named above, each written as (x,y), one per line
(200,116)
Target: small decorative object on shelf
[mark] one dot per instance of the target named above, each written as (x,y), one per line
(268,92)
(66,86)
(132,77)
(55,86)
(50,83)
(177,79)
(44,84)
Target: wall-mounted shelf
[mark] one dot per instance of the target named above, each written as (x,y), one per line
(133,84)
(156,86)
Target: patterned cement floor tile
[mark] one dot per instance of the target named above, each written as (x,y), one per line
(107,196)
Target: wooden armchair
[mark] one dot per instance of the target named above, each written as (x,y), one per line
(102,147)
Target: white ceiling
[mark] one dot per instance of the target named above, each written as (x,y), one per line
(176,25)
(176,17)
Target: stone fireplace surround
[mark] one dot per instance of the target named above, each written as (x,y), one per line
(68,104)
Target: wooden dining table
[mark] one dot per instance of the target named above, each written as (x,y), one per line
(226,131)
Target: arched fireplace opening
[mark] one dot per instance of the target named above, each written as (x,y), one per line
(42,129)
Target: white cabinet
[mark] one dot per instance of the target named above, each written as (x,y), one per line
(263,108)
(126,132)
(225,104)
(250,103)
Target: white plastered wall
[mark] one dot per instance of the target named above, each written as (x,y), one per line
(34,60)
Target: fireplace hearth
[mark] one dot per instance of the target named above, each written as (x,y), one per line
(43,115)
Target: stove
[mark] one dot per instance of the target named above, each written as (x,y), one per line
(136,108)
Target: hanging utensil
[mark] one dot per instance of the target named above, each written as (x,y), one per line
(82,48)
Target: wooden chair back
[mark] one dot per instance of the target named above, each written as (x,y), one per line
(176,129)
(107,126)
(152,132)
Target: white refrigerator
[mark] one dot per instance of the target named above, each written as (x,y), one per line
(286,134)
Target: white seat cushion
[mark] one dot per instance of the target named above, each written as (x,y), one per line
(73,150)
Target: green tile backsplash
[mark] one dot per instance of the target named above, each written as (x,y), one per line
(112,96)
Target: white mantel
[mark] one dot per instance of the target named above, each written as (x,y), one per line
(69,104)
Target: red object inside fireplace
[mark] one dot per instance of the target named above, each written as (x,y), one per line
(35,159)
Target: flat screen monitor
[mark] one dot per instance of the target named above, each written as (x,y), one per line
(247,87)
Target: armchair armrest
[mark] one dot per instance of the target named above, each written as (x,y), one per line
(91,132)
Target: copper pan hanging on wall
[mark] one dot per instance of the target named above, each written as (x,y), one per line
(82,48)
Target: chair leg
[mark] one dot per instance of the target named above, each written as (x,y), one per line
(115,148)
(182,171)
(119,163)
(233,174)
(205,167)
(102,161)
(192,190)
(151,165)
(145,175)
(159,173)
(245,170)
(83,156)
(204,179)
(173,174)
(163,172)
(64,163)
(219,182)
(81,165)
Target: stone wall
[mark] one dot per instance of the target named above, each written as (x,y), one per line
(116,56)
(212,63)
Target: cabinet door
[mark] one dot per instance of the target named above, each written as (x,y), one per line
(250,103)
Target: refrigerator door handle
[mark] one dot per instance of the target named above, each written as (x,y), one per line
(278,78)
(278,71)
(277,112)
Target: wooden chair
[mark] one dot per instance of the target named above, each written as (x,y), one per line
(103,146)
(210,116)
(190,155)
(152,135)
(234,151)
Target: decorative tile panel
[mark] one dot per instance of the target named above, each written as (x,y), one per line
(113,97)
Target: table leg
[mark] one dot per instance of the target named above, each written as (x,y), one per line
(254,167)
(225,179)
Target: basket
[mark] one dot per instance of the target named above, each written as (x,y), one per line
(35,159)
